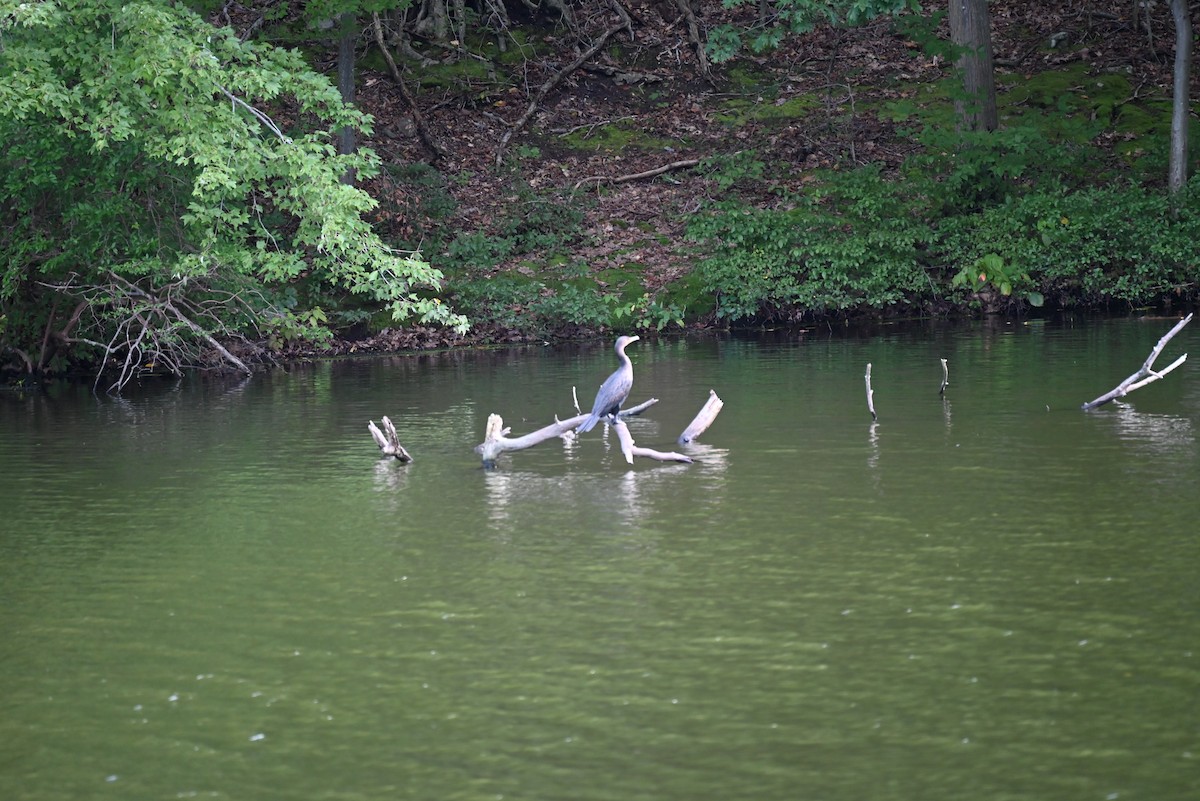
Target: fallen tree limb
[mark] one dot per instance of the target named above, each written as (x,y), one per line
(630,450)
(388,440)
(423,132)
(547,87)
(496,440)
(1146,373)
(637,176)
(703,419)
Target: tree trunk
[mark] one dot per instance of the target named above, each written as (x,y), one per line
(348,33)
(970,30)
(1177,171)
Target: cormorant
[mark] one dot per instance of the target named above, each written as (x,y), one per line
(614,390)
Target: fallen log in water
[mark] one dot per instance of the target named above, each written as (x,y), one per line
(1146,373)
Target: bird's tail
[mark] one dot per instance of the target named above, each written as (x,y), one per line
(588,424)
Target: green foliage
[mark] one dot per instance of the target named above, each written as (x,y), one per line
(855,242)
(991,270)
(795,17)
(966,171)
(727,171)
(513,301)
(1113,243)
(141,147)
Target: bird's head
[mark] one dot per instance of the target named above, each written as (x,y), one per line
(623,342)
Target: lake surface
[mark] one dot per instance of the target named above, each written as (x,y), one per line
(219,590)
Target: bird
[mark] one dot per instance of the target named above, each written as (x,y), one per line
(615,388)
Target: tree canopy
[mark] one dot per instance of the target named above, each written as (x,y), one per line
(176,182)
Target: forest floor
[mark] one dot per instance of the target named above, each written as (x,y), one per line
(644,105)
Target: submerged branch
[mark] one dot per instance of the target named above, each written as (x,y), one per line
(1146,373)
(388,440)
(703,419)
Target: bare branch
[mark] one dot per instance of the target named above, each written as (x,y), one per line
(1146,373)
(637,176)
(423,132)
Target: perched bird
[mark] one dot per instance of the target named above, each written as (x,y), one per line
(614,390)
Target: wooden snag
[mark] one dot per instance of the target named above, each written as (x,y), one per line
(1146,373)
(870,394)
(388,440)
(703,419)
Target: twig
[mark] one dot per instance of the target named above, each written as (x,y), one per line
(621,179)
(1146,373)
(259,115)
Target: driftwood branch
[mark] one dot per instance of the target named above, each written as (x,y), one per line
(1145,374)
(703,419)
(945,377)
(496,440)
(547,87)
(388,440)
(637,176)
(423,132)
(630,450)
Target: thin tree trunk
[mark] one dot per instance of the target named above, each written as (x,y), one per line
(348,32)
(970,29)
(1177,171)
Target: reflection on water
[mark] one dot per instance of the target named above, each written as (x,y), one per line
(1159,434)
(221,590)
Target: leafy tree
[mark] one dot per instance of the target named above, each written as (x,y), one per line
(175,186)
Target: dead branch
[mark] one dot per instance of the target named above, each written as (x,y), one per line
(152,328)
(388,440)
(693,27)
(703,419)
(945,377)
(423,132)
(496,441)
(637,176)
(549,86)
(630,450)
(1146,373)
(870,395)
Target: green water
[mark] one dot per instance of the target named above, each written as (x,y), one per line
(221,591)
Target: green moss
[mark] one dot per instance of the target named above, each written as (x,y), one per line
(625,281)
(689,293)
(615,137)
(737,112)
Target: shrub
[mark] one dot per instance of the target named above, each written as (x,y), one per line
(857,241)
